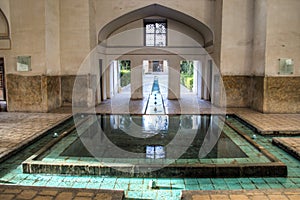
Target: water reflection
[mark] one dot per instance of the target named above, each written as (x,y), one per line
(155,137)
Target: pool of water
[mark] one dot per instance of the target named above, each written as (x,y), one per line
(137,188)
(152,141)
(154,146)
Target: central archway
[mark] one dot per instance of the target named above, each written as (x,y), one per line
(187,37)
(162,11)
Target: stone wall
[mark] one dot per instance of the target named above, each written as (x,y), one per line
(264,94)
(24,93)
(237,90)
(53,91)
(32,93)
(282,95)
(257,93)
(45,93)
(78,91)
(67,83)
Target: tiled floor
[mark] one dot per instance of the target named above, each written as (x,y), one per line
(291,145)
(270,123)
(243,195)
(20,128)
(17,129)
(44,193)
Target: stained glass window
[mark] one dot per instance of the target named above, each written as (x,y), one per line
(155,32)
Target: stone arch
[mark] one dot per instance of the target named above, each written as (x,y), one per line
(4,26)
(4,32)
(162,11)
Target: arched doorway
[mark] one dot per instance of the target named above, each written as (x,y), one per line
(5,44)
(184,36)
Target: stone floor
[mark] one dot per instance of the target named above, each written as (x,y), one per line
(290,145)
(44,193)
(18,129)
(287,194)
(270,123)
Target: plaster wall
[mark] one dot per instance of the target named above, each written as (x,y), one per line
(217,28)
(74,34)
(5,42)
(199,9)
(28,35)
(283,34)
(131,34)
(237,32)
(52,38)
(3,26)
(178,34)
(4,5)
(259,37)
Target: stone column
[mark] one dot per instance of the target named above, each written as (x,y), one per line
(206,75)
(103,78)
(107,81)
(116,73)
(136,79)
(196,64)
(110,76)
(174,79)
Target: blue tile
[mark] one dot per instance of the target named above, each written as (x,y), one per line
(27,182)
(234,186)
(93,185)
(40,183)
(121,186)
(248,186)
(123,180)
(191,181)
(176,194)
(65,184)
(107,185)
(134,187)
(79,185)
(149,194)
(192,187)
(96,180)
(161,194)
(221,186)
(134,195)
(163,181)
(136,180)
(206,187)
(204,181)
(231,180)
(177,181)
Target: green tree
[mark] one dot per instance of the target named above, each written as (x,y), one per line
(187,67)
(125,64)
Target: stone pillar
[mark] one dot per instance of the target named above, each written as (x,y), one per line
(146,66)
(196,72)
(174,79)
(206,75)
(107,80)
(116,73)
(110,76)
(198,66)
(136,79)
(103,78)
(165,66)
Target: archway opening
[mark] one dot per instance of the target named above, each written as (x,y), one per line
(185,37)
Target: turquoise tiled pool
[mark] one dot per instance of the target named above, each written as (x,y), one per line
(162,146)
(137,188)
